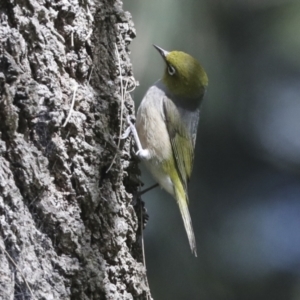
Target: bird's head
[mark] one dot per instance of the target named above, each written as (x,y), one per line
(183,76)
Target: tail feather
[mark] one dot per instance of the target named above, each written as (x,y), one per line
(182,200)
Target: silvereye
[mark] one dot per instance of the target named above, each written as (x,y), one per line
(166,124)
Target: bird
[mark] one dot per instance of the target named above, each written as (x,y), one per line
(166,128)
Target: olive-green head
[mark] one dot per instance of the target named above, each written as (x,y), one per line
(183,76)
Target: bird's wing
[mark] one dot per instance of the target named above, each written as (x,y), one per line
(181,140)
(191,120)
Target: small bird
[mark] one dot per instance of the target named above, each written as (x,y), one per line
(166,127)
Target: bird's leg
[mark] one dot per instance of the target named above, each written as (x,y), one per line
(148,189)
(141,153)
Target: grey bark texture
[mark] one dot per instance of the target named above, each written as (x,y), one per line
(68,228)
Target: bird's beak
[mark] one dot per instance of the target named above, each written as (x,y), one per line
(161,51)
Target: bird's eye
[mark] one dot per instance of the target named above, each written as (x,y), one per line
(171,70)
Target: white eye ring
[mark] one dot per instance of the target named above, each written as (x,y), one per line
(171,70)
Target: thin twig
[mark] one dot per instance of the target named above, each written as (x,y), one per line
(134,84)
(90,75)
(124,91)
(121,121)
(89,34)
(72,105)
(72,39)
(122,105)
(143,251)
(13,262)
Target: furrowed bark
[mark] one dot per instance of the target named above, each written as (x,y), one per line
(68,227)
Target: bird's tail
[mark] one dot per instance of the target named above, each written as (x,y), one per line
(182,200)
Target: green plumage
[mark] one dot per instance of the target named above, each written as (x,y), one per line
(167,122)
(189,80)
(181,142)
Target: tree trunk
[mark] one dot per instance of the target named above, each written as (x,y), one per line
(68,226)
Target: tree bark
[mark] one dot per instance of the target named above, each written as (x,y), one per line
(68,227)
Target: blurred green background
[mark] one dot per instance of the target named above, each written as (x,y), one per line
(245,188)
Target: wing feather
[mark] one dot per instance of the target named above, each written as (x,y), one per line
(181,140)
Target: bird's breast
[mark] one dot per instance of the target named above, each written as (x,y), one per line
(151,126)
